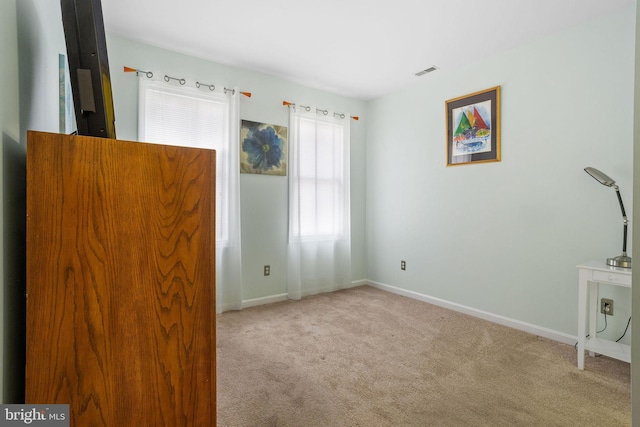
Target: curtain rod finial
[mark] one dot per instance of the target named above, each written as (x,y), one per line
(149,74)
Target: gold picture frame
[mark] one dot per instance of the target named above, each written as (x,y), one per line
(473,128)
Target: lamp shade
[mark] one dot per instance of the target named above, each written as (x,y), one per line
(601,177)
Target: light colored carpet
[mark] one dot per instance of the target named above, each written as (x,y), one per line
(365,357)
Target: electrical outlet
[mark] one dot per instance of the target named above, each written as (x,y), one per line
(267,270)
(403,265)
(606,306)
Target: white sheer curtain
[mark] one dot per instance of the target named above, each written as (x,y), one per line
(319,248)
(191,117)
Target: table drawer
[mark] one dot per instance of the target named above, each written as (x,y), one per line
(612,277)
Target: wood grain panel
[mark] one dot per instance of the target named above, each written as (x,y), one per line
(120,281)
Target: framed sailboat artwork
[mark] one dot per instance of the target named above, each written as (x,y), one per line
(473,128)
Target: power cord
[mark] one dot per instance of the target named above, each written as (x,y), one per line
(605,327)
(602,330)
(625,330)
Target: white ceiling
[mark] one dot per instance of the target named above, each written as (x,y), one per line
(357,48)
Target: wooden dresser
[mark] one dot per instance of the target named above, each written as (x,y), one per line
(121,281)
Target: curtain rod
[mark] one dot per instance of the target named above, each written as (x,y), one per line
(318,110)
(182,81)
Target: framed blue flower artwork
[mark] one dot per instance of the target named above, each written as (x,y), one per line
(473,128)
(263,148)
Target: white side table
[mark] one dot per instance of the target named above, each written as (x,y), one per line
(590,275)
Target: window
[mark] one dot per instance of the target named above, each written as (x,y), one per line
(319,172)
(319,249)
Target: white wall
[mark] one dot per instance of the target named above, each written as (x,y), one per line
(505,237)
(263,198)
(9,130)
(9,117)
(30,40)
(40,41)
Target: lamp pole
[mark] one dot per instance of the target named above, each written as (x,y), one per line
(622,260)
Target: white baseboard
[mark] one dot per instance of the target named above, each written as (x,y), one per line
(495,318)
(264,300)
(283,297)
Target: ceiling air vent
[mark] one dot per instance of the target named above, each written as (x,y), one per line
(428,70)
